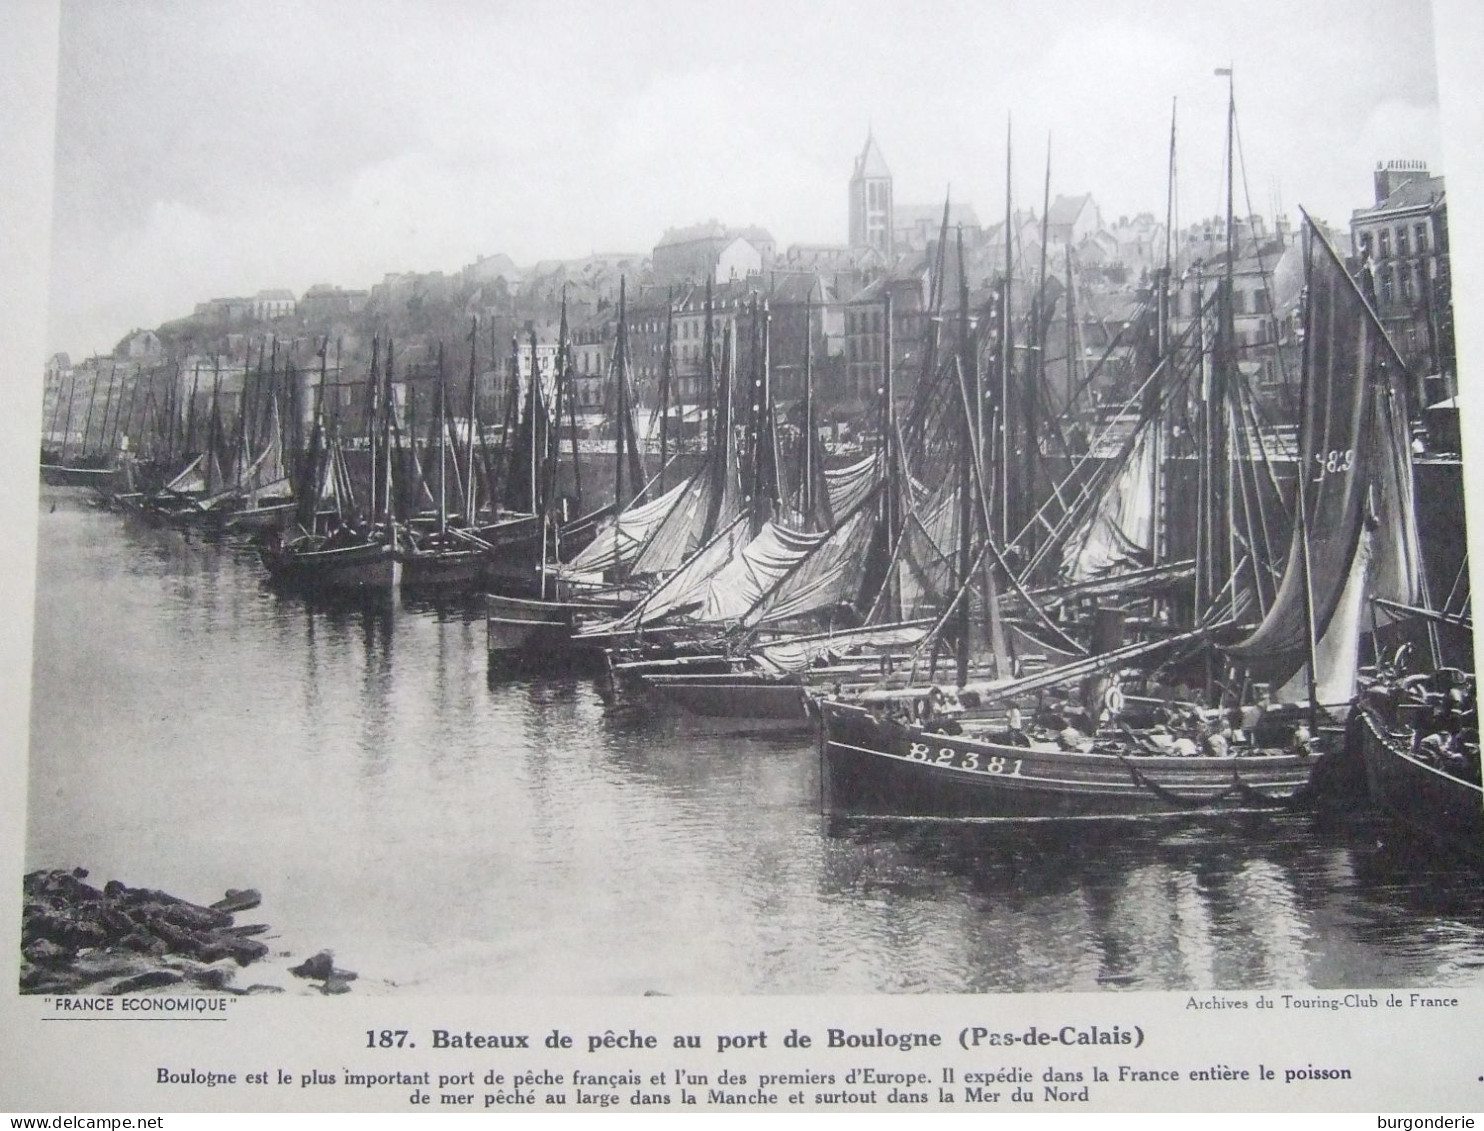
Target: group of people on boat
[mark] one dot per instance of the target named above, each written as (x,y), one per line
(1168,722)
(1441,710)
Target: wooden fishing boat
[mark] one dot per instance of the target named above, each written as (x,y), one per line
(736,695)
(902,754)
(318,563)
(1440,804)
(61,475)
(525,633)
(875,764)
(333,547)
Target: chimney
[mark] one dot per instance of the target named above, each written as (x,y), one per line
(1391,175)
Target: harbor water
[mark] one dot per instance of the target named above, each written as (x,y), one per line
(445,831)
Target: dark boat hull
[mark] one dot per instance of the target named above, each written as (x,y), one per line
(359,568)
(534,634)
(448,570)
(734,697)
(272,516)
(1440,807)
(59,475)
(870,765)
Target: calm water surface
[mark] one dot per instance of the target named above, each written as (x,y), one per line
(446,832)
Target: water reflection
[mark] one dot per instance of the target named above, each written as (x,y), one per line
(458,830)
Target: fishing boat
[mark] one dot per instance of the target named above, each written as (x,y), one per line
(946,752)
(1419,745)
(567,575)
(332,546)
(446,555)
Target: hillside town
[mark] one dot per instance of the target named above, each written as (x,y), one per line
(1089,271)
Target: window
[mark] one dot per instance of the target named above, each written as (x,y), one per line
(1401,241)
(1406,280)
(1385,252)
(1421,239)
(1383,280)
(1365,244)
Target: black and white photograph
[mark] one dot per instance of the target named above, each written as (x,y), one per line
(832,501)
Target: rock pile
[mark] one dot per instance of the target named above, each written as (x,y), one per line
(123,939)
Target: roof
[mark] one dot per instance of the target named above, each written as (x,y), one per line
(1418,193)
(710,230)
(910,215)
(277,293)
(870,163)
(1066,209)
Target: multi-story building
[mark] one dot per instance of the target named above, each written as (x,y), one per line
(1402,244)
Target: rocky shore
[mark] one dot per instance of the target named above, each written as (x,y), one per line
(118,940)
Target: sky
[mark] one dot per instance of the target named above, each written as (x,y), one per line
(207,148)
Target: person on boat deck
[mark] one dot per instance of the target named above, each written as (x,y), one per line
(1071,739)
(1303,741)
(1219,742)
(1184,747)
(1252,714)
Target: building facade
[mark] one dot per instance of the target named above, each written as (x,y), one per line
(1401,243)
(871,209)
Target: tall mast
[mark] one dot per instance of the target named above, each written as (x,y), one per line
(67,424)
(107,404)
(214,424)
(806,493)
(665,378)
(190,436)
(373,381)
(87,423)
(469,498)
(970,458)
(708,374)
(1035,389)
(1159,535)
(1007,354)
(572,413)
(889,462)
(533,410)
(126,411)
(388,420)
(621,400)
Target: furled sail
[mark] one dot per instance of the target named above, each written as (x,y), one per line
(620,541)
(756,569)
(1357,537)
(848,486)
(1119,533)
(827,576)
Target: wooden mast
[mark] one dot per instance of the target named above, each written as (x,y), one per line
(665,379)
(470,499)
(1007,355)
(806,493)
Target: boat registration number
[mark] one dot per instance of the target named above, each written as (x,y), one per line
(962,759)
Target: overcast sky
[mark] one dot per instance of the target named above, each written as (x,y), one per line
(208,149)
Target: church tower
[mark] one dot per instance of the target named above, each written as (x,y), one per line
(870,200)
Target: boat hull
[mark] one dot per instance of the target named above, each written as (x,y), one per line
(59,475)
(734,697)
(446,570)
(533,634)
(1437,805)
(872,765)
(273,516)
(359,568)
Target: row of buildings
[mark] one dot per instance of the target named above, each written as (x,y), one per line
(826,302)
